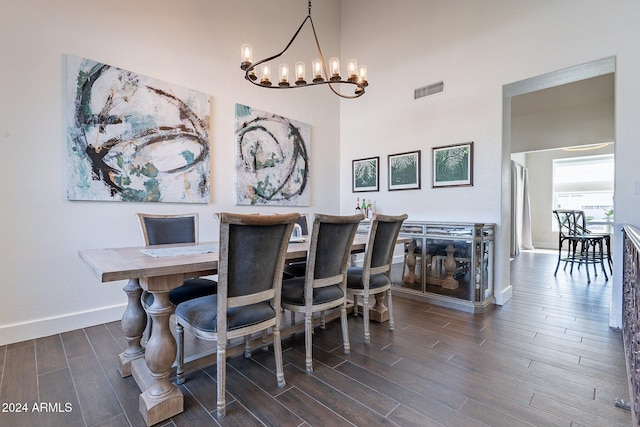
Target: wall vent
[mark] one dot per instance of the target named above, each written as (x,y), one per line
(431,89)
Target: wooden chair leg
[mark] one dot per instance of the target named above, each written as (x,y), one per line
(180,354)
(308,338)
(247,347)
(392,325)
(345,329)
(221,365)
(365,318)
(277,351)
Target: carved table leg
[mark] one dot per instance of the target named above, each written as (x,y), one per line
(379,312)
(450,265)
(410,277)
(134,320)
(162,399)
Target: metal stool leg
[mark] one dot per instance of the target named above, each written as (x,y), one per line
(586,259)
(604,270)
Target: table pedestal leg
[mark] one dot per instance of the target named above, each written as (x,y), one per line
(134,321)
(450,265)
(379,312)
(162,399)
(410,277)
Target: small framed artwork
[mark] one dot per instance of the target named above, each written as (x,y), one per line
(452,165)
(404,171)
(365,173)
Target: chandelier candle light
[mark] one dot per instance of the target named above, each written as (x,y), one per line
(357,75)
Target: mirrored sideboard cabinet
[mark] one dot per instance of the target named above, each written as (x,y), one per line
(446,264)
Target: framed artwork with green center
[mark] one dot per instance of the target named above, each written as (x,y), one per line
(404,171)
(365,174)
(452,165)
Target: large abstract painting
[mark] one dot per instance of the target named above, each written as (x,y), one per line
(134,138)
(272,159)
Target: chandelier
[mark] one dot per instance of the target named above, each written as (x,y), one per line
(357,75)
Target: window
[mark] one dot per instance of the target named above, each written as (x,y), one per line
(584,183)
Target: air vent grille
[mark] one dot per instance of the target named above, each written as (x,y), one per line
(431,89)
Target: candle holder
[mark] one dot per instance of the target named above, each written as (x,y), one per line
(284,75)
(300,74)
(266,76)
(352,69)
(318,67)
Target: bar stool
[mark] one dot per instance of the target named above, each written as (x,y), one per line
(584,247)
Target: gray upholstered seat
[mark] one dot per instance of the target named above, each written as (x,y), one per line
(354,281)
(293,292)
(373,277)
(324,285)
(191,288)
(199,315)
(167,229)
(251,260)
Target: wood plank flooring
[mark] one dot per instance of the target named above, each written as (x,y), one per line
(546,358)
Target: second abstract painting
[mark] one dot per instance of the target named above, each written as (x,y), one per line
(272,159)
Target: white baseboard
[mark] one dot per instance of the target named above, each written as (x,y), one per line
(503,296)
(45,327)
(546,245)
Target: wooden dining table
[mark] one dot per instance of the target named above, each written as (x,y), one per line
(159,269)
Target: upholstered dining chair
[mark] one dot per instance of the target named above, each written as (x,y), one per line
(374,275)
(323,287)
(176,228)
(250,263)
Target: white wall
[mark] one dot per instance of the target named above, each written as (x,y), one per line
(193,43)
(477,47)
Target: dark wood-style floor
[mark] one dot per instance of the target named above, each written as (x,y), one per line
(546,358)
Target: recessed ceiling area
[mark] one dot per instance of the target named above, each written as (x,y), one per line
(596,90)
(575,114)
